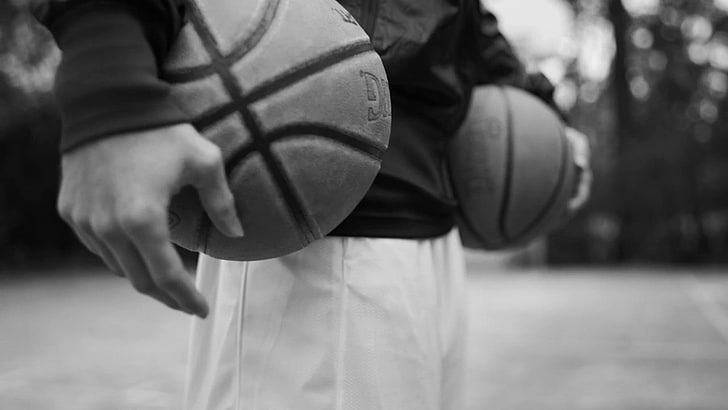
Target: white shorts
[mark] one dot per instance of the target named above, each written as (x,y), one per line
(346,323)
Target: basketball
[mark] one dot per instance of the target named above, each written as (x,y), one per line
(511,169)
(297,100)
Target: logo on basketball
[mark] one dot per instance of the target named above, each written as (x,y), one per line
(486,183)
(378,94)
(345,15)
(172,220)
(493,130)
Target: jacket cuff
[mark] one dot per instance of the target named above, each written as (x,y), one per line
(107,82)
(540,86)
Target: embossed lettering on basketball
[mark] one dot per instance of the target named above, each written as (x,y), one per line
(297,100)
(511,169)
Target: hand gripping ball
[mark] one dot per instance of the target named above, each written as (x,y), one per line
(297,100)
(511,169)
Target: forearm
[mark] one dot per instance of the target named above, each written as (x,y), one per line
(107,82)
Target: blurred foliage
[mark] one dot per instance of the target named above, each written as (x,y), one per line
(30,230)
(660,128)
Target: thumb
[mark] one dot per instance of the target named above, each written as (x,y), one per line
(581,158)
(580,145)
(217,199)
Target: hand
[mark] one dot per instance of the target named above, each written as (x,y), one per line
(115,193)
(580,145)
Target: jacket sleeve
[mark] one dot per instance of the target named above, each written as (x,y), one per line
(107,82)
(497,63)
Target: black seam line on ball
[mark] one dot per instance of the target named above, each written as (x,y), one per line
(473,231)
(555,194)
(285,79)
(309,130)
(307,226)
(308,68)
(469,224)
(506,200)
(352,140)
(239,50)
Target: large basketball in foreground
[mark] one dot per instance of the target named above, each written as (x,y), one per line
(511,168)
(297,100)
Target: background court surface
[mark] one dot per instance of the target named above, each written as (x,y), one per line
(607,339)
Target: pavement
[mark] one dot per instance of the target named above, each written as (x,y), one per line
(569,339)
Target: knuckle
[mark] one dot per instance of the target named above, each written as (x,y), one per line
(64,210)
(219,205)
(81,221)
(210,158)
(105,228)
(142,219)
(229,200)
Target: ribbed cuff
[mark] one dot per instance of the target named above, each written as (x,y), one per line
(107,82)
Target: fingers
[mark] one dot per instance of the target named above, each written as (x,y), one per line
(101,250)
(84,231)
(150,236)
(208,177)
(581,158)
(118,253)
(114,194)
(138,274)
(583,190)
(580,145)
(137,247)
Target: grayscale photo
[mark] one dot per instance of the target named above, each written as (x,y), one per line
(363,204)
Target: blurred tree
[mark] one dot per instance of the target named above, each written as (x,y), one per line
(666,196)
(30,230)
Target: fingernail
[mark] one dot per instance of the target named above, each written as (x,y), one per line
(189,311)
(204,309)
(237,228)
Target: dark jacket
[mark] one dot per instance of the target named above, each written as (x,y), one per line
(434,51)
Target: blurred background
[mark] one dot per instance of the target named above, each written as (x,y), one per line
(645,79)
(626,307)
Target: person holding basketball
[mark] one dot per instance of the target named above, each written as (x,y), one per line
(372,316)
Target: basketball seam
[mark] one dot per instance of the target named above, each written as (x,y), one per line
(471,228)
(307,226)
(464,218)
(283,80)
(350,140)
(556,191)
(506,200)
(242,48)
(308,68)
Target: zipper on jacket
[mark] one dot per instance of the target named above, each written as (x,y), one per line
(371,8)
